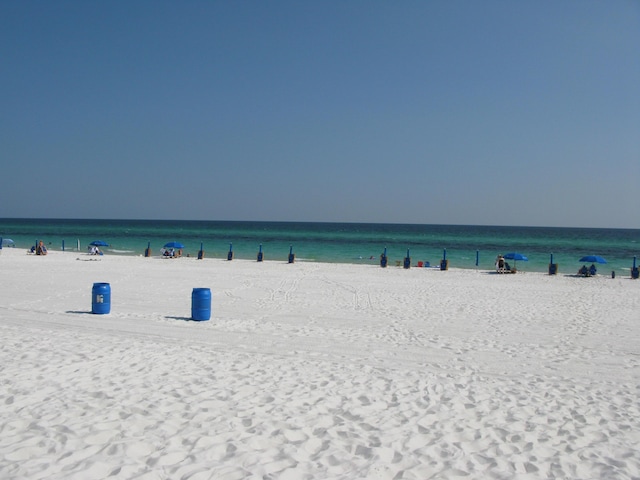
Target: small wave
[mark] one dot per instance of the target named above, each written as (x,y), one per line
(120,251)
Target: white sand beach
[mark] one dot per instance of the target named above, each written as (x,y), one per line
(314,371)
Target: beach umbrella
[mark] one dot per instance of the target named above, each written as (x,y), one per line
(99,243)
(593,259)
(173,245)
(515,256)
(7,242)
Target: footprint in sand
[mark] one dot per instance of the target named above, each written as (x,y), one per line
(100,438)
(172,458)
(295,437)
(315,446)
(139,450)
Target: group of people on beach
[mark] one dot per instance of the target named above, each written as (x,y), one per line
(171,253)
(588,272)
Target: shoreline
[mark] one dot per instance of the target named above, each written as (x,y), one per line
(620,270)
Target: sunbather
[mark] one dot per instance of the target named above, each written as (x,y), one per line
(41,249)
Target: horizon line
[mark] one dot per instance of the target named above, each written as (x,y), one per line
(333,222)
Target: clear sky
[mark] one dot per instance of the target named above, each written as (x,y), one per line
(493,112)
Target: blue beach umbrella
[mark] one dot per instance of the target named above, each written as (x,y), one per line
(99,243)
(515,256)
(173,245)
(593,259)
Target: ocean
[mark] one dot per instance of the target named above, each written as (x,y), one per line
(351,243)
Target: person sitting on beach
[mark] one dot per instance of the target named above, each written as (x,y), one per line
(41,249)
(500,264)
(592,270)
(583,271)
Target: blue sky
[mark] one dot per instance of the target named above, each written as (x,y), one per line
(462,112)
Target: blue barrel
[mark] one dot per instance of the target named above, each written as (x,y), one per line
(101,298)
(201,304)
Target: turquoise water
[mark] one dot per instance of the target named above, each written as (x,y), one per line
(340,242)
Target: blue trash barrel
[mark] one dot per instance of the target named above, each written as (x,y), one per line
(101,298)
(201,304)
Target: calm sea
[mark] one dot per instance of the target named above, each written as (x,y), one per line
(339,242)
